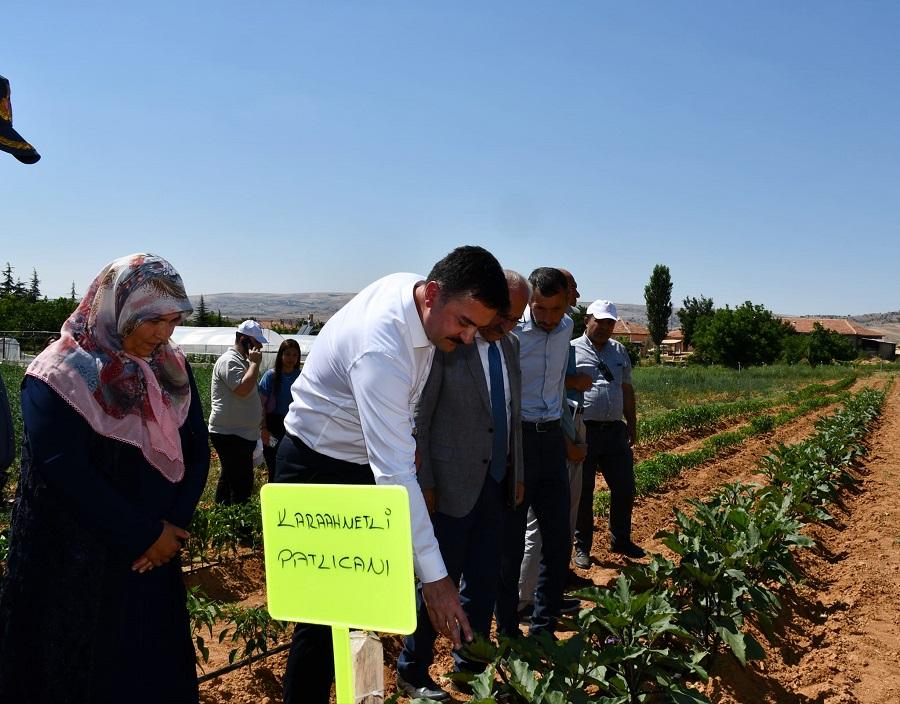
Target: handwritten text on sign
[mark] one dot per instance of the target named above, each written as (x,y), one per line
(339,555)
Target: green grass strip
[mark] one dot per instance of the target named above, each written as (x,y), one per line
(702,415)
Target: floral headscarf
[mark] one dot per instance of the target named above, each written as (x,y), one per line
(139,401)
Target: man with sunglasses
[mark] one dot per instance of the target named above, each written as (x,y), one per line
(611,423)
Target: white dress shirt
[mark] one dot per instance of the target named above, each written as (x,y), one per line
(356,397)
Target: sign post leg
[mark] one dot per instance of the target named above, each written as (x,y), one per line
(343,665)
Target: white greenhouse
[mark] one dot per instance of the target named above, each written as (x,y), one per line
(214,342)
(11,351)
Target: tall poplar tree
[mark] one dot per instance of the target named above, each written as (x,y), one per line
(658,297)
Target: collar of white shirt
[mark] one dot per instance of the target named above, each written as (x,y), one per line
(413,321)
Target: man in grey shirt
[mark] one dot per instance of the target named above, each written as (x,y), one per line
(609,437)
(236,415)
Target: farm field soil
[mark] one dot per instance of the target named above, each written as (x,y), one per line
(838,641)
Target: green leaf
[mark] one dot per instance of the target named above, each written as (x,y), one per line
(744,646)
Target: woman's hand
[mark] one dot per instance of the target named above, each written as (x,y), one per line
(164,549)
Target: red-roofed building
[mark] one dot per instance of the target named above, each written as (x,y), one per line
(674,342)
(864,339)
(633,332)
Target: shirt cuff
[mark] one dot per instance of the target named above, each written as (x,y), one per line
(429,565)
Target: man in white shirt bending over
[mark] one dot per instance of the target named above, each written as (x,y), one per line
(351,420)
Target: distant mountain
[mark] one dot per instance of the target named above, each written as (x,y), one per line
(274,306)
(875,319)
(888,324)
(297,306)
(324,304)
(637,313)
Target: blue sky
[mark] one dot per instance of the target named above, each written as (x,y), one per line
(754,148)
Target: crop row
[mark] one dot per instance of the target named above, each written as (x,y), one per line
(699,416)
(653,472)
(652,637)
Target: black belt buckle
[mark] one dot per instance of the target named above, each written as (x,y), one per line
(545,426)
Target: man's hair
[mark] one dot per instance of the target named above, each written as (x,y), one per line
(515,280)
(548,281)
(472,271)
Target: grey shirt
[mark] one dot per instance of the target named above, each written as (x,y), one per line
(603,401)
(232,414)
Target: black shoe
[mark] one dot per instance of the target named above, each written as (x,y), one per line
(582,559)
(525,613)
(426,689)
(576,581)
(629,549)
(570,606)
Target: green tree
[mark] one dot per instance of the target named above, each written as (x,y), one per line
(747,335)
(7,285)
(690,313)
(634,351)
(202,317)
(21,314)
(34,291)
(821,346)
(658,297)
(19,290)
(827,347)
(72,295)
(578,315)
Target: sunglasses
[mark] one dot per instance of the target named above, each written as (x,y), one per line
(605,371)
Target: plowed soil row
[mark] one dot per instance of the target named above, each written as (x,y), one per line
(838,641)
(780,678)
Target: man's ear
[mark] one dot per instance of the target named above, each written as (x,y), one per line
(432,293)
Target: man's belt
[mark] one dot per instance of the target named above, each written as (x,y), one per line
(541,426)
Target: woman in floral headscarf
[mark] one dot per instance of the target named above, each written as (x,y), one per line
(114,460)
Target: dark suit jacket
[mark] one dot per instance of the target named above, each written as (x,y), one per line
(454,427)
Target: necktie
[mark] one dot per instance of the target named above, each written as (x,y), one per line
(498,414)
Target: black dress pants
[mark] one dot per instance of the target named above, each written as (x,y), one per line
(275,426)
(235,483)
(310,666)
(547,491)
(609,452)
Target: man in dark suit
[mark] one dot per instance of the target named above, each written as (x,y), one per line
(468,436)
